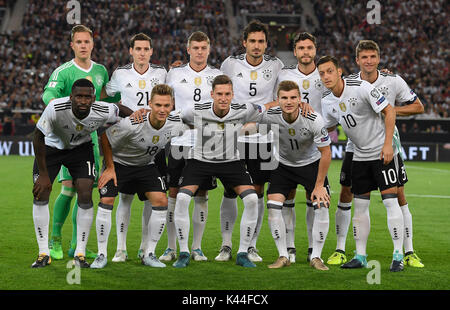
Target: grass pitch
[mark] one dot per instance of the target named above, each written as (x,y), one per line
(428,194)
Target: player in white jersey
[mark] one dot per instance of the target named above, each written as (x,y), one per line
(215,154)
(359,108)
(134,82)
(304,158)
(63,136)
(192,85)
(395,90)
(130,150)
(254,76)
(306,75)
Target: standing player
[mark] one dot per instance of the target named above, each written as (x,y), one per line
(394,89)
(307,77)
(192,85)
(130,149)
(356,105)
(134,82)
(305,156)
(60,85)
(63,136)
(215,155)
(254,76)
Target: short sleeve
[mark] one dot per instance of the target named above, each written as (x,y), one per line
(45,123)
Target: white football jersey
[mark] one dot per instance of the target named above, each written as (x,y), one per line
(135,88)
(216,139)
(63,130)
(297,141)
(252,84)
(136,144)
(311,86)
(395,90)
(191,87)
(358,111)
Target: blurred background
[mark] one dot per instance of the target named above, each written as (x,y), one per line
(412,35)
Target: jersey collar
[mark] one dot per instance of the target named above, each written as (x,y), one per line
(84,70)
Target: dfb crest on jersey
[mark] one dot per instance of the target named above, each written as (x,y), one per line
(79,127)
(103,190)
(291,131)
(304,132)
(374,93)
(384,91)
(155,139)
(142,84)
(253,75)
(99,80)
(198,81)
(305,84)
(352,101)
(318,84)
(154,82)
(209,80)
(342,106)
(93,124)
(267,74)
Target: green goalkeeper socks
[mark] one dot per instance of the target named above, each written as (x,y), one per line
(61,210)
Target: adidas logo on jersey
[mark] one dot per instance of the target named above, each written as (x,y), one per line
(183,81)
(239,75)
(128,85)
(142,140)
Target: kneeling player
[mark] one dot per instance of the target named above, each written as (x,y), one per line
(129,149)
(215,154)
(304,156)
(63,137)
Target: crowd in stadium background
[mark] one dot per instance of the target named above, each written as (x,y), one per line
(410,38)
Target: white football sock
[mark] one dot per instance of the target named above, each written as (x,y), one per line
(123,214)
(394,221)
(320,230)
(156,228)
(343,219)
(146,213)
(41,217)
(199,217)
(261,208)
(85,217)
(361,224)
(277,226)
(103,227)
(309,222)
(288,213)
(228,216)
(182,221)
(408,234)
(248,221)
(170,224)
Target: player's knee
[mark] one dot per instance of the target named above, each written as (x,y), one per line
(346,194)
(401,196)
(107,200)
(157,199)
(259,188)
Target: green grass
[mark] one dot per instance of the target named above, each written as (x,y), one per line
(428,195)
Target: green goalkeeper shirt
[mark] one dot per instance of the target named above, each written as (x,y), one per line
(61,81)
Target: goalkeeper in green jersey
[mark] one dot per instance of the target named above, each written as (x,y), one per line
(59,85)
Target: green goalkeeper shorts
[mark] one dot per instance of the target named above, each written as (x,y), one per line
(64,174)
